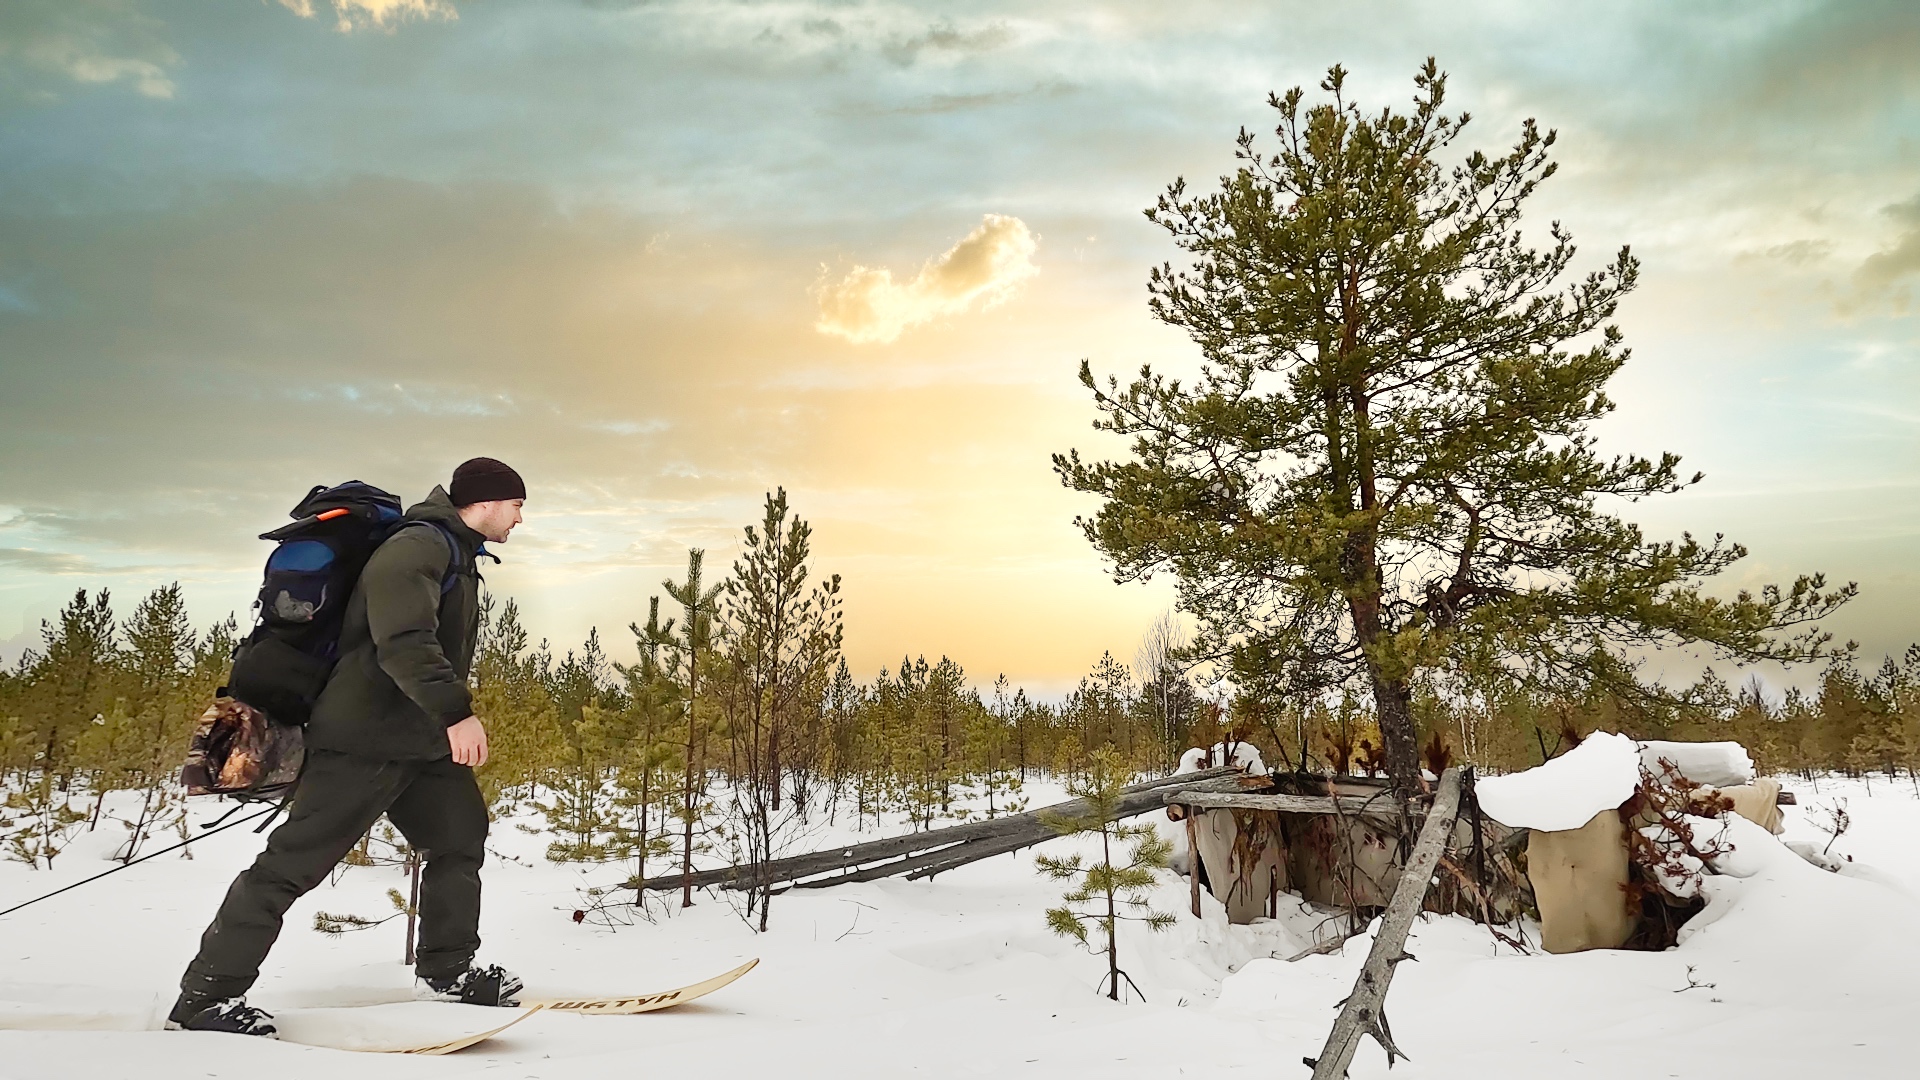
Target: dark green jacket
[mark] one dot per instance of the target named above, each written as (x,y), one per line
(406,647)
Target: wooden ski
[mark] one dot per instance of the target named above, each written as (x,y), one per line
(644,1003)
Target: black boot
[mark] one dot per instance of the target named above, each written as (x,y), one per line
(231,1015)
(490,985)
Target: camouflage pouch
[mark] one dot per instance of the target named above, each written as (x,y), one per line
(239,750)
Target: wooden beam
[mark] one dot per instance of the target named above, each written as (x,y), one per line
(1364,1010)
(1356,805)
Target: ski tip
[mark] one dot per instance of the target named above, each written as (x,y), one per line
(645,1003)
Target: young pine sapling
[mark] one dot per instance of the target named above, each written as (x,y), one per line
(1106,893)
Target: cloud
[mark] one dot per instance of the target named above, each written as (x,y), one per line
(47,562)
(943,37)
(399,327)
(352,15)
(1884,268)
(149,78)
(936,104)
(650,394)
(1801,252)
(1836,62)
(88,41)
(868,306)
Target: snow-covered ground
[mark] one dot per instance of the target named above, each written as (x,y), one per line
(1792,972)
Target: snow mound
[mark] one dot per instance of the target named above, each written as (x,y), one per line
(1244,754)
(1720,764)
(1565,793)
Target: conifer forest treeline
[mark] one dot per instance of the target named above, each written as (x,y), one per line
(740,722)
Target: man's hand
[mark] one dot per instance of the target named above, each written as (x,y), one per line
(469,742)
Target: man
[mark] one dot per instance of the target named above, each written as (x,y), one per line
(393,733)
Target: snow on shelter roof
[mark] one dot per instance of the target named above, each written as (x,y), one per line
(1565,793)
(1722,764)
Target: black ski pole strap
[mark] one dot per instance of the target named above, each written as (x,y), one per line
(278,805)
(237,807)
(141,859)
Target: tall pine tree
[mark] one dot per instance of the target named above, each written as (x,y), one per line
(1384,469)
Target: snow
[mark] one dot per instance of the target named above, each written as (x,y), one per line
(1245,755)
(1600,774)
(1718,764)
(1565,793)
(1791,971)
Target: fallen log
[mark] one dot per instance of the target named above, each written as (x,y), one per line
(1364,1011)
(901,854)
(939,860)
(944,859)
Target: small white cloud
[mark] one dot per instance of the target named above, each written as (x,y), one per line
(71,42)
(150,79)
(384,14)
(986,266)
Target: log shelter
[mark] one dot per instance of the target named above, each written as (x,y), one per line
(1340,842)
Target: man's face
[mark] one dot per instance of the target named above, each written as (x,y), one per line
(493,520)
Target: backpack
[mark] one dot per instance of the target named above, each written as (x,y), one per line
(281,667)
(249,741)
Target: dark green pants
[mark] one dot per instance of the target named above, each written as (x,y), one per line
(435,804)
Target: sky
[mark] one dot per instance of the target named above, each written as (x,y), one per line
(665,257)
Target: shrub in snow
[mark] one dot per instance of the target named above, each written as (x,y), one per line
(37,822)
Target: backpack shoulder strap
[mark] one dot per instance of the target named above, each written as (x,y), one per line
(453,553)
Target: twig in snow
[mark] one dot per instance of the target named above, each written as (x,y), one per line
(1693,983)
(1326,948)
(1830,818)
(856,920)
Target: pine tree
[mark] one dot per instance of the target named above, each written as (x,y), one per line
(580,804)
(525,737)
(69,687)
(162,707)
(1106,893)
(579,808)
(1384,467)
(690,652)
(990,757)
(642,780)
(783,636)
(850,740)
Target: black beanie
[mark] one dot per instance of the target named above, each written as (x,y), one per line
(485,480)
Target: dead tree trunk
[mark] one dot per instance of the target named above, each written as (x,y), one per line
(413,902)
(1364,1012)
(1193,862)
